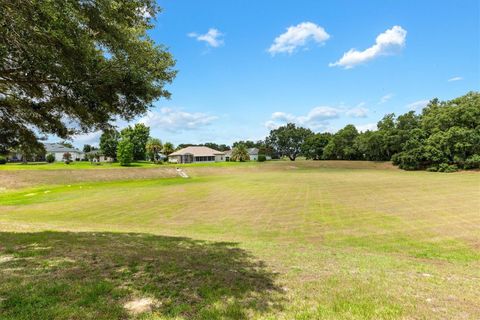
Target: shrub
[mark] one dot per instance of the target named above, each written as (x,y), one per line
(67,157)
(261,158)
(473,162)
(125,152)
(432,169)
(3,160)
(447,168)
(50,158)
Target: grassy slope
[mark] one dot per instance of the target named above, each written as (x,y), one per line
(279,240)
(84,165)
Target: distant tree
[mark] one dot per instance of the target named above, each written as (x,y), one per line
(369,145)
(247,144)
(67,144)
(50,158)
(184,145)
(87,148)
(312,147)
(288,140)
(168,148)
(341,145)
(138,136)
(30,151)
(109,142)
(125,152)
(67,157)
(240,153)
(153,147)
(88,61)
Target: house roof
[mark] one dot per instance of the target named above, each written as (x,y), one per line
(57,147)
(197,151)
(252,151)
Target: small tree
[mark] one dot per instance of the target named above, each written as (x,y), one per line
(50,158)
(153,147)
(168,148)
(240,153)
(67,157)
(125,152)
(109,142)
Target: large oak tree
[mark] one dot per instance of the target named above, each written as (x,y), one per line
(70,66)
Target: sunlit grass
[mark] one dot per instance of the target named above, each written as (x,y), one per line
(335,240)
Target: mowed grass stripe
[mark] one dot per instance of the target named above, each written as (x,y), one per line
(355,243)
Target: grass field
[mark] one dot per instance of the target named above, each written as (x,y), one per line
(276,240)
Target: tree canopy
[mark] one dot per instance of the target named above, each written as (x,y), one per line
(74,66)
(138,136)
(288,140)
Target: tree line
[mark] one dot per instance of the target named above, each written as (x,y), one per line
(445,136)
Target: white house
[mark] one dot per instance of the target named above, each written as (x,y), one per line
(252,153)
(196,154)
(58,150)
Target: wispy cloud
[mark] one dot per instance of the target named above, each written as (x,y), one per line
(385,98)
(417,105)
(175,120)
(298,36)
(314,119)
(317,118)
(455,79)
(212,38)
(386,43)
(358,112)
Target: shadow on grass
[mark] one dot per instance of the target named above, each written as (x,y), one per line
(64,275)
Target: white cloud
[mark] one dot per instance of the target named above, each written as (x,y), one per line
(298,36)
(418,105)
(176,120)
(212,37)
(366,126)
(317,118)
(385,44)
(357,112)
(385,98)
(455,79)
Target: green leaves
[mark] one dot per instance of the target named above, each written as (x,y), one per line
(72,66)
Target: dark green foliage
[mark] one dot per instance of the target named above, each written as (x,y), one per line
(125,152)
(445,133)
(153,148)
(473,162)
(215,146)
(138,136)
(167,148)
(313,146)
(288,140)
(447,168)
(261,158)
(341,145)
(50,158)
(88,61)
(108,143)
(3,160)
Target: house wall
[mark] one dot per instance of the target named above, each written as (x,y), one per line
(219,158)
(75,155)
(253,157)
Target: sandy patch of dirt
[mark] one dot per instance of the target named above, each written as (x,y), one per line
(141,305)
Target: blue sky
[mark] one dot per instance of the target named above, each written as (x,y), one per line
(248,66)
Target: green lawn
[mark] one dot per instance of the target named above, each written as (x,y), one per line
(276,240)
(105,165)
